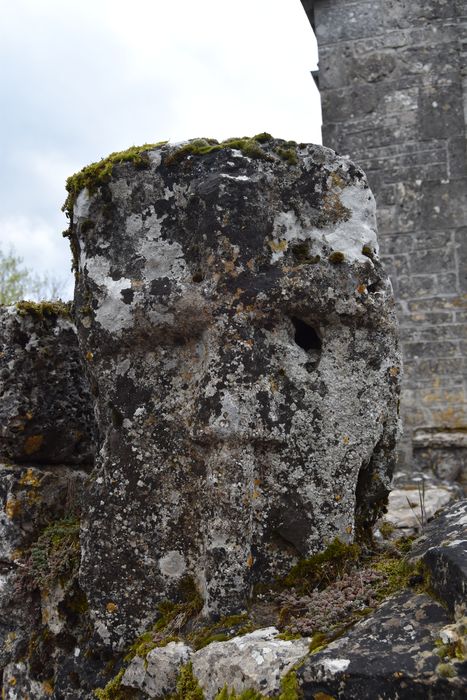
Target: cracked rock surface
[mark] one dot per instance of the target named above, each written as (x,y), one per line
(45,408)
(391,654)
(241,341)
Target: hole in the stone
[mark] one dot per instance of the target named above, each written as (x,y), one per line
(305,335)
(198,276)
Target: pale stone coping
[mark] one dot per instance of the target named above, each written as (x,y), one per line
(427,438)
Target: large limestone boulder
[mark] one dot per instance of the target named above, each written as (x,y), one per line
(240,337)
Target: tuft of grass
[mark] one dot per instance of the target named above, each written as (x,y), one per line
(188,687)
(289,691)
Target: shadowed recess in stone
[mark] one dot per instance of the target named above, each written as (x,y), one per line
(306,336)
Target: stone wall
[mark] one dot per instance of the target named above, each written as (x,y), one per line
(393,83)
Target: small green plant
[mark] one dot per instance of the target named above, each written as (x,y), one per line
(115,691)
(55,555)
(289,691)
(188,687)
(421,519)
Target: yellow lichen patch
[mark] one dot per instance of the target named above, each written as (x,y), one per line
(29,479)
(89,356)
(229,266)
(278,246)
(333,210)
(12,681)
(111,607)
(323,696)
(394,371)
(33,496)
(337,180)
(47,687)
(33,444)
(346,439)
(12,508)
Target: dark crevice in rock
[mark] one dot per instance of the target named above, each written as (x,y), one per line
(305,335)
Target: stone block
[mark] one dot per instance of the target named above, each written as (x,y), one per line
(156,675)
(335,22)
(392,653)
(442,548)
(255,661)
(230,312)
(46,414)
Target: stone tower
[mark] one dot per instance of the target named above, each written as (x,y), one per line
(393,84)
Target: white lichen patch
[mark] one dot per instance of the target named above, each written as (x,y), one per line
(172,564)
(81,206)
(349,237)
(111,313)
(334,666)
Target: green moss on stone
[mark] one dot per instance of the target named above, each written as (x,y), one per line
(287,154)
(336,258)
(248,146)
(368,251)
(188,687)
(397,574)
(289,691)
(322,568)
(301,253)
(115,691)
(221,631)
(263,137)
(446,670)
(96,174)
(43,309)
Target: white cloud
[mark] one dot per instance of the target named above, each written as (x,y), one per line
(79,80)
(41,246)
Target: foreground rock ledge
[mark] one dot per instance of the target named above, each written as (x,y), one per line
(241,343)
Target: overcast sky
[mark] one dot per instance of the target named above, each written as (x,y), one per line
(82,78)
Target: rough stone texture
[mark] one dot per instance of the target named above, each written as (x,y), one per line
(45,406)
(411,506)
(30,498)
(391,654)
(443,549)
(255,661)
(241,342)
(393,83)
(157,674)
(443,453)
(18,685)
